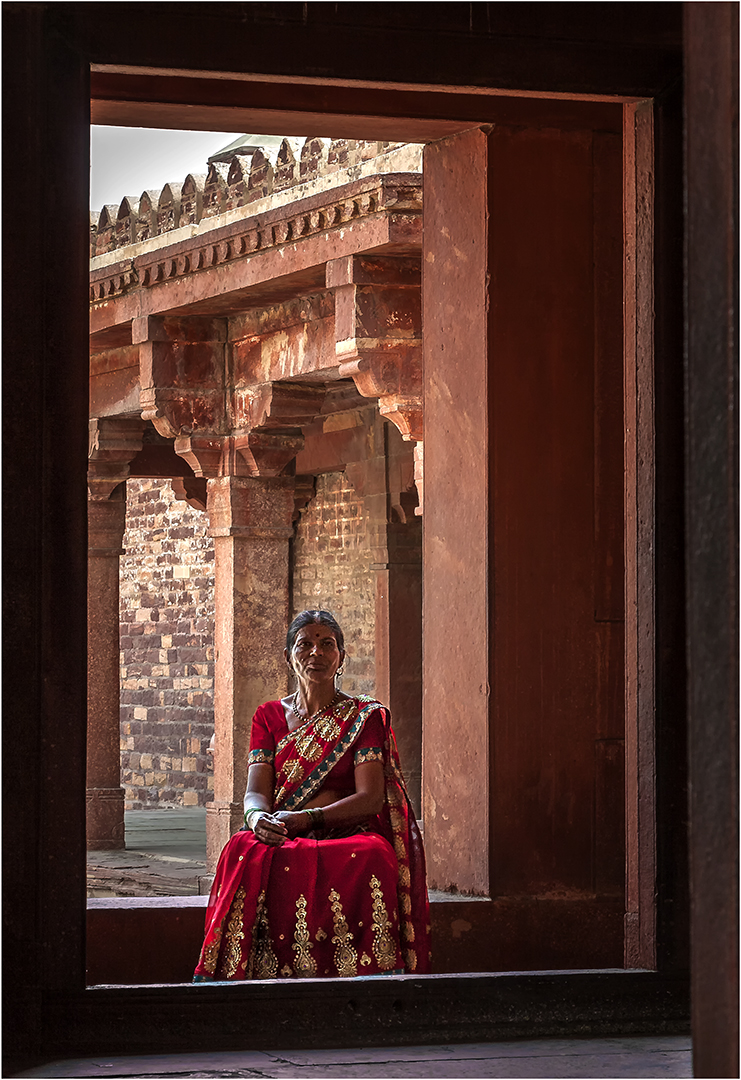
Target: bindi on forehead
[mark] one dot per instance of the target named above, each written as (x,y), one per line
(326,637)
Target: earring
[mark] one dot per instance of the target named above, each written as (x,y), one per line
(339,673)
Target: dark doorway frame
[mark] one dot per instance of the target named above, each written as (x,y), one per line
(49,50)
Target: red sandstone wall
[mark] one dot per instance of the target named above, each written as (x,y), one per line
(167,582)
(332,570)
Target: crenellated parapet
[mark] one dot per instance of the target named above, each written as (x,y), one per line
(250,176)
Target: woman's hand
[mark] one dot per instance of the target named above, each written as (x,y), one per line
(269,830)
(295,822)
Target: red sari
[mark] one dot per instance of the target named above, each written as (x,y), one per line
(322,905)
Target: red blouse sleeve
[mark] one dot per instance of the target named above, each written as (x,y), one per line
(262,739)
(369,744)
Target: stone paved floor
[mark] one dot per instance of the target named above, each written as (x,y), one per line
(165,856)
(649,1057)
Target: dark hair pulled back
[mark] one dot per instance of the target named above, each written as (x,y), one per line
(307,618)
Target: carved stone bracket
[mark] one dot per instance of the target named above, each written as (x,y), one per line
(378,333)
(190,489)
(112,444)
(181,373)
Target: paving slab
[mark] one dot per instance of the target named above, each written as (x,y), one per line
(648,1057)
(165,855)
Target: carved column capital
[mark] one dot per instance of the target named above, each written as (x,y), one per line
(112,444)
(267,439)
(251,507)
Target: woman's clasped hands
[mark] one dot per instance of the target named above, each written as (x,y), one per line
(274,829)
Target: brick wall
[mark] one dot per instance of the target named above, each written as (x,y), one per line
(331,570)
(167,618)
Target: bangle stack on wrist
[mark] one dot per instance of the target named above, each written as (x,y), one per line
(316,817)
(249,811)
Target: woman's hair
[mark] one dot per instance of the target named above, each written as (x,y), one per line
(306,618)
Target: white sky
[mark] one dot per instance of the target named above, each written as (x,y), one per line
(128,161)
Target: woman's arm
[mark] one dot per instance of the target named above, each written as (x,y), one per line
(259,796)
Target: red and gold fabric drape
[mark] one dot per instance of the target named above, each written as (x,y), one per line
(323,905)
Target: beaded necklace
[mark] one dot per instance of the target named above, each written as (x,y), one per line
(307,719)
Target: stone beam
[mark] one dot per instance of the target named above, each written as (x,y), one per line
(291,340)
(114,381)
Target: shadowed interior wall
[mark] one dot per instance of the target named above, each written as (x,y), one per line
(530,659)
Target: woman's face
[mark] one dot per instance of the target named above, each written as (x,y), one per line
(315,656)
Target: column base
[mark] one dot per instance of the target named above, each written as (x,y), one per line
(104,809)
(222,821)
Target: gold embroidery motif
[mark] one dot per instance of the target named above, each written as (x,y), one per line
(369,753)
(399,847)
(405,878)
(305,965)
(405,903)
(365,959)
(397,820)
(410,959)
(286,971)
(307,747)
(394,797)
(261,757)
(262,962)
(345,956)
(211,952)
(327,728)
(407,932)
(320,934)
(294,772)
(234,936)
(384,947)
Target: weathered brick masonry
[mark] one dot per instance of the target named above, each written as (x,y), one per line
(331,569)
(167,649)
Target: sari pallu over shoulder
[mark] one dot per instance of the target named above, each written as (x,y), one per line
(304,759)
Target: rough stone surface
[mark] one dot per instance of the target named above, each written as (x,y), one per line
(332,570)
(167,649)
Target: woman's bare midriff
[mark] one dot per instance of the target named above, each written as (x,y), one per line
(325,797)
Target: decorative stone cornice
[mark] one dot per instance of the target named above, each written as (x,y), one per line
(398,194)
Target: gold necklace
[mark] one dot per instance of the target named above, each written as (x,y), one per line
(307,719)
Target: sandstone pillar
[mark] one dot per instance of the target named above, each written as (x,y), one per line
(250,521)
(105,796)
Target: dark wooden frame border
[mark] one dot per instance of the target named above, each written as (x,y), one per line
(49,48)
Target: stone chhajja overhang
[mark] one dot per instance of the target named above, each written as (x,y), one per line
(210,330)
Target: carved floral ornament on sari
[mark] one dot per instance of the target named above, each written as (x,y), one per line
(346,903)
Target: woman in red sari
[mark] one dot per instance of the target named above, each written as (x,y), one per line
(327,878)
